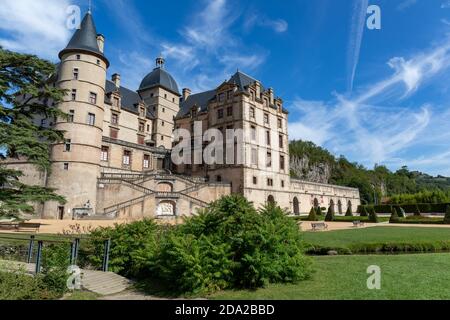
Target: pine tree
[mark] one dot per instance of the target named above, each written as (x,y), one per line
(373,216)
(349,212)
(447,215)
(330,214)
(394,216)
(319,211)
(417,211)
(312,215)
(26,94)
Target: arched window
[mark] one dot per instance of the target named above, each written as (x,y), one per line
(271,200)
(296,206)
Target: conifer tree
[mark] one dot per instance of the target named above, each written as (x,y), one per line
(330,214)
(26,96)
(312,215)
(349,212)
(394,216)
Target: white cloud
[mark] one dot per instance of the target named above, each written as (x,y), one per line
(357,27)
(37,27)
(376,133)
(260,20)
(445,5)
(406,4)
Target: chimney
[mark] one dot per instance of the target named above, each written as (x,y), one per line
(271,100)
(258,90)
(186,93)
(101,42)
(116,79)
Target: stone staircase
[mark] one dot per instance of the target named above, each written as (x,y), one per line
(104,283)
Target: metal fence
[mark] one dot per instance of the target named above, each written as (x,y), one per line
(81,251)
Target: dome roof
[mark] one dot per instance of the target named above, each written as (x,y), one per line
(159,77)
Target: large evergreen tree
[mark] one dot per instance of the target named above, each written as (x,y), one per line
(26,95)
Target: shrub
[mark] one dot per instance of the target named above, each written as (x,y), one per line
(373,216)
(231,245)
(417,211)
(364,212)
(55,261)
(313,215)
(330,214)
(133,247)
(318,211)
(394,216)
(447,215)
(349,213)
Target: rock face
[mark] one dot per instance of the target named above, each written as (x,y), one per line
(301,168)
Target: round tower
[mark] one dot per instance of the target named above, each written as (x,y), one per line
(76,161)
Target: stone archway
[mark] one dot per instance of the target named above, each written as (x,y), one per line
(332,204)
(270,200)
(349,205)
(316,203)
(296,206)
(166,208)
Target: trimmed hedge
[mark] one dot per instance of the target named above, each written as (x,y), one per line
(382,247)
(409,208)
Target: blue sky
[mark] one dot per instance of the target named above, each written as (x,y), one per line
(375,96)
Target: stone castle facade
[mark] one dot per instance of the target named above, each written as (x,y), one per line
(115,161)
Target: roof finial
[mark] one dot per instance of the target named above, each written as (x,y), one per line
(160,61)
(90,7)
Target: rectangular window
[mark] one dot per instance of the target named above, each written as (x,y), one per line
(126,158)
(254,157)
(93,98)
(75,74)
(252,94)
(221,97)
(74,94)
(280,124)
(142,112)
(114,119)
(141,126)
(268,137)
(229,94)
(282,163)
(266,118)
(270,182)
(282,183)
(104,154)
(255,180)
(78,57)
(66,166)
(253,133)
(148,128)
(162,123)
(269,159)
(113,133)
(220,114)
(146,163)
(219,178)
(67,145)
(229,111)
(91,119)
(280,141)
(71,116)
(116,102)
(252,113)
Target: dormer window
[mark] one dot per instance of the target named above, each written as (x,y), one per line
(116,102)
(221,97)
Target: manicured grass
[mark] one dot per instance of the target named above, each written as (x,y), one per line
(376,234)
(421,276)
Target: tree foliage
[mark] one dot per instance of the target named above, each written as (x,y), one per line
(26,96)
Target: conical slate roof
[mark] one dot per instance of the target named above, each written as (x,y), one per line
(85,39)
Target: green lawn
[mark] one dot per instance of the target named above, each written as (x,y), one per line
(421,276)
(376,234)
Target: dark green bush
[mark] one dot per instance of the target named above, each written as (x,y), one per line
(373,216)
(313,215)
(133,247)
(349,212)
(231,245)
(364,212)
(330,214)
(417,211)
(55,261)
(447,215)
(394,216)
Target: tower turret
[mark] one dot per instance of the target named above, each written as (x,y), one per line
(76,161)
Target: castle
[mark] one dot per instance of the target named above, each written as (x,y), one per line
(116,162)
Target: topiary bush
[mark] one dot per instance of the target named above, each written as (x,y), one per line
(373,216)
(447,215)
(349,212)
(313,215)
(231,245)
(394,216)
(330,214)
(417,211)
(364,212)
